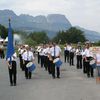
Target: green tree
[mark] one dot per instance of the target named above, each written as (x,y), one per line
(30,42)
(73,35)
(3,31)
(39,37)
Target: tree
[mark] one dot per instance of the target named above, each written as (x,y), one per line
(30,42)
(3,32)
(39,37)
(73,35)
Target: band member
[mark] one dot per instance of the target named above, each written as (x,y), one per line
(71,56)
(55,52)
(49,59)
(69,47)
(88,57)
(97,58)
(12,69)
(42,55)
(21,50)
(84,62)
(65,53)
(46,59)
(79,57)
(38,53)
(27,57)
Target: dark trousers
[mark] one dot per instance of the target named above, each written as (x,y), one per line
(66,55)
(89,69)
(12,73)
(79,61)
(49,66)
(2,54)
(45,62)
(42,61)
(21,62)
(38,58)
(84,66)
(27,73)
(71,61)
(53,70)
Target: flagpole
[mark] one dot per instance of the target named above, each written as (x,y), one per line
(9,24)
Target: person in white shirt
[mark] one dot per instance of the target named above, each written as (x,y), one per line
(49,59)
(27,57)
(38,53)
(71,56)
(69,47)
(55,52)
(84,61)
(97,58)
(88,56)
(21,50)
(65,52)
(12,69)
(79,57)
(42,54)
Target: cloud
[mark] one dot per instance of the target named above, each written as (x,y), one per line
(80,12)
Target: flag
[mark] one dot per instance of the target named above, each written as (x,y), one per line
(10,46)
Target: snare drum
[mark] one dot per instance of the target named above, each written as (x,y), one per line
(57,62)
(93,63)
(31,67)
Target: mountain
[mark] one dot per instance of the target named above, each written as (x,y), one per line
(90,35)
(51,24)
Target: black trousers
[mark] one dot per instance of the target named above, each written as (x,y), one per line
(66,55)
(46,62)
(12,73)
(2,54)
(53,67)
(71,61)
(42,61)
(84,66)
(89,69)
(38,58)
(21,62)
(49,66)
(79,61)
(27,73)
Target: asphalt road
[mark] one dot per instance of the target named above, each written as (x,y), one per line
(73,85)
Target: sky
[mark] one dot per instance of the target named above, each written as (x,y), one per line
(83,13)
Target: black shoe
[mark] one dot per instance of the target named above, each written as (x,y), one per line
(53,77)
(88,76)
(26,77)
(29,77)
(58,77)
(11,84)
(92,75)
(14,84)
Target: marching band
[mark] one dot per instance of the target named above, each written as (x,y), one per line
(47,54)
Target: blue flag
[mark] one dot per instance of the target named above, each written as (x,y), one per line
(10,46)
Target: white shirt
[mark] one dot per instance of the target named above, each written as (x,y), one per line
(57,51)
(98,59)
(88,53)
(78,52)
(28,56)
(46,51)
(13,58)
(41,53)
(69,47)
